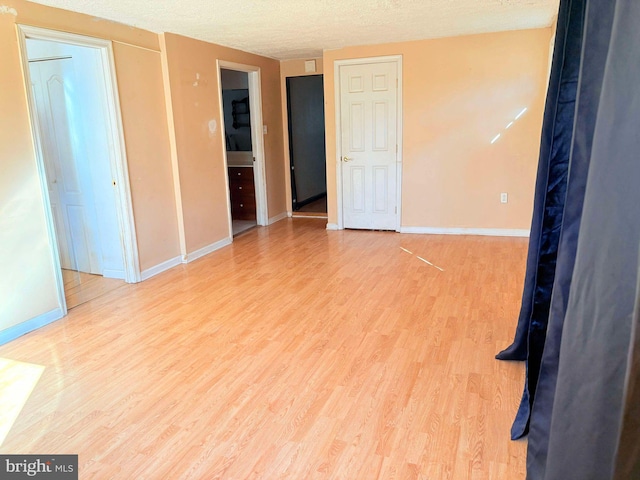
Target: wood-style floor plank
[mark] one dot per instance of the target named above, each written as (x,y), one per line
(293,353)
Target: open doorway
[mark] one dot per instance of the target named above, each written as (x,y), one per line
(239,148)
(243,130)
(307,154)
(81,164)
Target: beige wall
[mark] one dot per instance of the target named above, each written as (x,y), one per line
(27,282)
(144,120)
(193,80)
(27,288)
(291,68)
(458,94)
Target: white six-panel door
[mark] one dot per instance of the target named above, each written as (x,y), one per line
(368,120)
(68,173)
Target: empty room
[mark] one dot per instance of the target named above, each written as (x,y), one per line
(368,239)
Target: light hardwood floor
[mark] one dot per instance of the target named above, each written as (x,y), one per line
(317,208)
(293,353)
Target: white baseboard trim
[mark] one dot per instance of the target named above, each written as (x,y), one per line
(161,267)
(332,226)
(119,274)
(23,328)
(302,215)
(277,218)
(490,232)
(190,257)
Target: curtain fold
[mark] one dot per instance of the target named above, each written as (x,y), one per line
(579,324)
(518,348)
(597,31)
(591,436)
(551,187)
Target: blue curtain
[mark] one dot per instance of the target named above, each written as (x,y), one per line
(579,326)
(551,186)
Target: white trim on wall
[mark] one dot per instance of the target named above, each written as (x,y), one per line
(257,138)
(118,274)
(278,217)
(121,169)
(336,79)
(23,328)
(201,252)
(161,267)
(223,140)
(117,154)
(491,232)
(175,261)
(44,188)
(302,215)
(175,164)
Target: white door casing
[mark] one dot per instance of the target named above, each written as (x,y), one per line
(59,115)
(257,139)
(117,152)
(369,154)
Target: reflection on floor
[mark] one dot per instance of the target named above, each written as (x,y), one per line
(80,287)
(17,380)
(313,209)
(239,226)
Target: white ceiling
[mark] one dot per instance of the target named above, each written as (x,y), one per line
(286,29)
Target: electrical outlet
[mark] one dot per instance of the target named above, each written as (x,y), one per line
(504,198)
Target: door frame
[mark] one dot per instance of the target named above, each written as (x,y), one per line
(257,139)
(337,64)
(289,143)
(118,157)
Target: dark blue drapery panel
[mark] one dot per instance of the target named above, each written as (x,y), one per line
(597,31)
(579,325)
(518,349)
(594,434)
(583,331)
(564,98)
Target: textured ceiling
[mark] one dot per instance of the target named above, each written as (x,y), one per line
(286,29)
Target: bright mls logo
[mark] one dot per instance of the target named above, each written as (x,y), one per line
(50,467)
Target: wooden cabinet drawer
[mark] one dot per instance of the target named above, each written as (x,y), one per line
(244,188)
(241,174)
(241,182)
(243,210)
(243,196)
(242,193)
